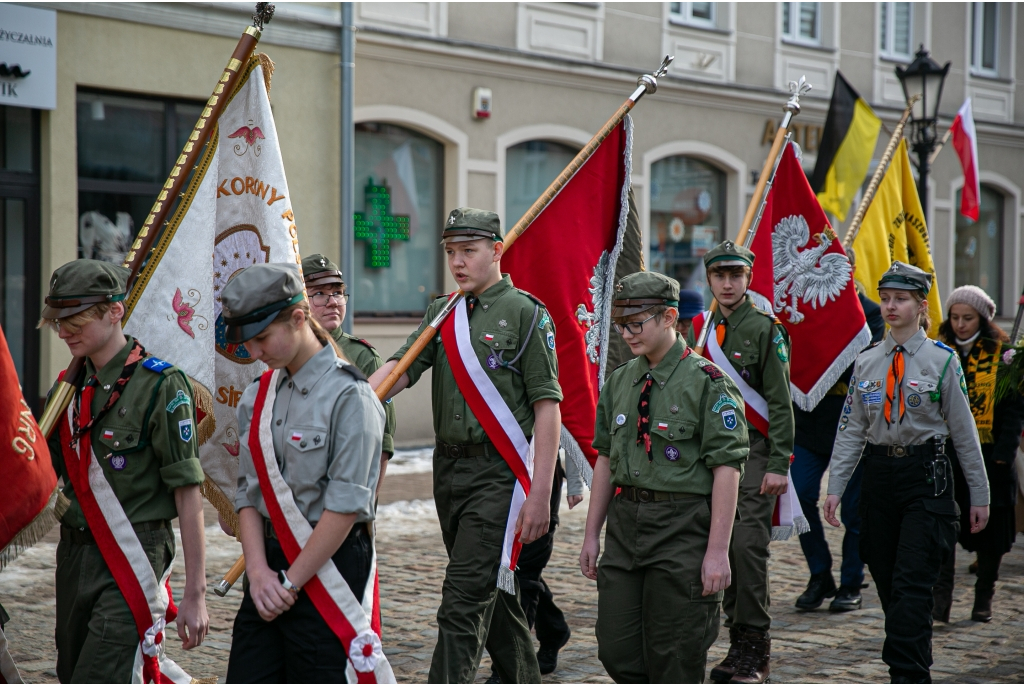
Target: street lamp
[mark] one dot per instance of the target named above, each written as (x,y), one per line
(923,77)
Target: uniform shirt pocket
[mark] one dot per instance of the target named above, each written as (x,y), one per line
(500,340)
(306,439)
(669,435)
(118,445)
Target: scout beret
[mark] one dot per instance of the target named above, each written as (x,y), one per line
(317,270)
(466,223)
(691,303)
(80,284)
(640,291)
(902,276)
(254,296)
(729,253)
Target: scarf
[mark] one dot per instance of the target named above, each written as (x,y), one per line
(980,375)
(135,356)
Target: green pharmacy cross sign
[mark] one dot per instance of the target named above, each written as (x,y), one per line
(378,227)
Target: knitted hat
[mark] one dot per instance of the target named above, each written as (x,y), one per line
(975,297)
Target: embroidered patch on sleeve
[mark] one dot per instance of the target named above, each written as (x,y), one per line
(729,419)
(154,364)
(185,430)
(712,371)
(181,399)
(724,401)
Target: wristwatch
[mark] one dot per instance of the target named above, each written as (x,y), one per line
(287,584)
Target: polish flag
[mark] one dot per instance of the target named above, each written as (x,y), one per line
(965,140)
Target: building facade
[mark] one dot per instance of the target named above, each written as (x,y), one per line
(78,179)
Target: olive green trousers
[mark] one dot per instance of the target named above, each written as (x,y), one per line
(653,624)
(96,634)
(748,599)
(473,495)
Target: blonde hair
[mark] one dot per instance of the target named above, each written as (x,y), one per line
(321,333)
(72,324)
(924,317)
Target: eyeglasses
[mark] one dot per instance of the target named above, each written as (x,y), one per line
(634,327)
(322,299)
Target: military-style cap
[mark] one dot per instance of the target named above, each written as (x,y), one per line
(640,291)
(466,223)
(254,296)
(729,253)
(691,303)
(80,284)
(902,276)
(318,270)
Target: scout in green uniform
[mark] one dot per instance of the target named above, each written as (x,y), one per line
(514,339)
(670,433)
(327,303)
(757,346)
(143,437)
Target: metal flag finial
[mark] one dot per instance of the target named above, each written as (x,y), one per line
(796,90)
(649,82)
(264,13)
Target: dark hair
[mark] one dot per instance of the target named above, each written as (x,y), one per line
(988,329)
(319,331)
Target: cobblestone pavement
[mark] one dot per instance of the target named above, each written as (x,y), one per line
(807,647)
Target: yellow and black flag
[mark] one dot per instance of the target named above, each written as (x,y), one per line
(851,131)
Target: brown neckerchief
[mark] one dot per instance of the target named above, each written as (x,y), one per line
(135,356)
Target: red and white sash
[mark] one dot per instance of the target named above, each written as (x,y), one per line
(357,624)
(498,422)
(788,516)
(148,599)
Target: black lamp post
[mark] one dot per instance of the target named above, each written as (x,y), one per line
(923,77)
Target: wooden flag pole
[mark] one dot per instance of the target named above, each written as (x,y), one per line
(876,179)
(791,108)
(65,390)
(648,83)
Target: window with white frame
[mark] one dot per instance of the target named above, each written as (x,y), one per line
(801,22)
(984,31)
(896,31)
(693,13)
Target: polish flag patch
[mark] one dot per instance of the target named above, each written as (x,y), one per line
(296,436)
(108,434)
(488,336)
(737,355)
(662,426)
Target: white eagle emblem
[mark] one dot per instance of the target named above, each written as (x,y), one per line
(807,274)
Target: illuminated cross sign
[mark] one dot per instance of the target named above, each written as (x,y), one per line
(378,227)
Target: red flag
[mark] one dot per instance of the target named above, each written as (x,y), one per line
(802,275)
(965,141)
(567,259)
(26,514)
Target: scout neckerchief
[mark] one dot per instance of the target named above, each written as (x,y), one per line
(788,517)
(135,356)
(148,599)
(643,423)
(348,617)
(894,386)
(498,421)
(980,376)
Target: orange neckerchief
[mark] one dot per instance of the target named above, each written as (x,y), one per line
(720,332)
(894,385)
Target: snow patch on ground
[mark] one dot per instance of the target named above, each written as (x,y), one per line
(411,461)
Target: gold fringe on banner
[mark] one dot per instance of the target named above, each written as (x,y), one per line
(268,69)
(42,524)
(225,507)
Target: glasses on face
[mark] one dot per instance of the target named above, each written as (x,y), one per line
(634,327)
(322,299)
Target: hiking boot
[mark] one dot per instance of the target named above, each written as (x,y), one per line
(547,657)
(724,671)
(753,665)
(821,586)
(982,612)
(847,599)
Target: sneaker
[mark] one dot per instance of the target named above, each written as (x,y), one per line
(847,599)
(820,587)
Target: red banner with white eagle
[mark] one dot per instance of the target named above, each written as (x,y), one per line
(803,276)
(567,260)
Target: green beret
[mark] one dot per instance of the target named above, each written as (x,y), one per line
(466,223)
(906,277)
(254,296)
(729,253)
(317,270)
(640,291)
(80,284)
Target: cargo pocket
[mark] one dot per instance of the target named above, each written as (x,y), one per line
(697,594)
(946,515)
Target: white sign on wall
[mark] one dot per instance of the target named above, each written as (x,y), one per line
(28,57)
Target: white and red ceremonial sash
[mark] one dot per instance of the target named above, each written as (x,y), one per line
(347,616)
(498,422)
(148,598)
(788,515)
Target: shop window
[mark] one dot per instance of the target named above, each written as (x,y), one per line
(984,31)
(897,25)
(700,14)
(979,253)
(126,146)
(530,168)
(399,181)
(687,218)
(801,22)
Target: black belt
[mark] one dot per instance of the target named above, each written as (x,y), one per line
(928,449)
(645,495)
(483,449)
(269,532)
(84,536)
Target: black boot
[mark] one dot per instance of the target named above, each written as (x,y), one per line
(821,586)
(753,666)
(985,586)
(847,599)
(547,655)
(723,672)
(982,612)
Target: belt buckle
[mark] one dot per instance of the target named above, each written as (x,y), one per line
(899,451)
(644,495)
(454,451)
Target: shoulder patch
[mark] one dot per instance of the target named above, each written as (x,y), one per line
(351,369)
(364,342)
(532,297)
(713,371)
(943,345)
(156,365)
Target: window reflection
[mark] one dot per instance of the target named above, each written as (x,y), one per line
(978,260)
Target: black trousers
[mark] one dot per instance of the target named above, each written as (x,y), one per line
(908,530)
(297,646)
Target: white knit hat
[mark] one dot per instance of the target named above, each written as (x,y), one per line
(975,297)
